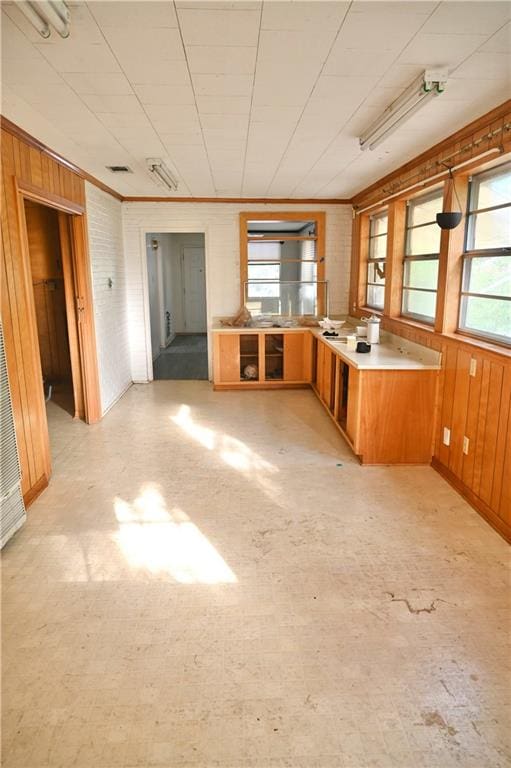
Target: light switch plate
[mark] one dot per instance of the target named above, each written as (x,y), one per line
(473,366)
(466,443)
(447,436)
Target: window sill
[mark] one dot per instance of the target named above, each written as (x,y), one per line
(430,328)
(477,341)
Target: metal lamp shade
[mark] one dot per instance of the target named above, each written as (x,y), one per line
(449,220)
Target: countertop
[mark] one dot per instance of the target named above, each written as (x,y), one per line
(393,353)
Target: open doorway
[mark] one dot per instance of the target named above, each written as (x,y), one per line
(49,249)
(176,277)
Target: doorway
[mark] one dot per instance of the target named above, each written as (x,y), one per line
(53,281)
(176,277)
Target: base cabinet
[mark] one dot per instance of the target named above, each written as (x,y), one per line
(261,359)
(387,417)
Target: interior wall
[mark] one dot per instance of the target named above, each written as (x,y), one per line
(154,300)
(31,166)
(49,296)
(220,223)
(108,272)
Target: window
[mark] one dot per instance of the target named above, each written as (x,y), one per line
(375,293)
(485,307)
(422,249)
(282,263)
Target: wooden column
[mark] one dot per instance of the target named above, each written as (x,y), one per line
(395,255)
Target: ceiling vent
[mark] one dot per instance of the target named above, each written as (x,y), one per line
(119,168)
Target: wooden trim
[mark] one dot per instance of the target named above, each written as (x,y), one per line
(395,257)
(86,330)
(474,130)
(450,265)
(38,195)
(242,200)
(31,141)
(478,504)
(318,216)
(71,314)
(31,495)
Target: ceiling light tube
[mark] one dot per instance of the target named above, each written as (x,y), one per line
(158,167)
(427,86)
(57,14)
(35,19)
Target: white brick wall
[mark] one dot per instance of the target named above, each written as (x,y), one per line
(104,218)
(220,223)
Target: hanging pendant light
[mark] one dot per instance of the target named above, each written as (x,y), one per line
(450,219)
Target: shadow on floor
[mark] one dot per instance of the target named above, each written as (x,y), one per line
(185,358)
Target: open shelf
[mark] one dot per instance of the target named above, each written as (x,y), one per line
(274,357)
(249,357)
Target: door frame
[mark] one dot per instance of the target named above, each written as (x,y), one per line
(79,300)
(178,230)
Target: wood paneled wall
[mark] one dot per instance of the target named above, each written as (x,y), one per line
(473,407)
(476,407)
(22,163)
(49,295)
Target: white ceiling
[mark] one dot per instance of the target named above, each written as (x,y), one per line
(249,99)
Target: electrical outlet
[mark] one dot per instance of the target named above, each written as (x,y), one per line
(473,366)
(447,436)
(466,443)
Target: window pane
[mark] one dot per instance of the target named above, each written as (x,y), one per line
(375,296)
(491,229)
(263,271)
(263,251)
(491,188)
(487,316)
(424,209)
(378,247)
(378,225)
(376,272)
(423,240)
(421,274)
(488,274)
(419,303)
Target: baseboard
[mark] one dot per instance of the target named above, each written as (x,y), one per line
(116,399)
(31,495)
(478,504)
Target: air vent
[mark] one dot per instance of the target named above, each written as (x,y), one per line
(119,169)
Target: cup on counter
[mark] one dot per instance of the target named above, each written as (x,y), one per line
(351,342)
(361,330)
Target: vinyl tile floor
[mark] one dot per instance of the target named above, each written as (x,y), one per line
(211,580)
(185,358)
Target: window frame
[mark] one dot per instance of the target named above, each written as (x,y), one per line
(407,258)
(469,254)
(380,260)
(319,218)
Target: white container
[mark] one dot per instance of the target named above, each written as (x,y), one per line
(351,342)
(361,330)
(373,329)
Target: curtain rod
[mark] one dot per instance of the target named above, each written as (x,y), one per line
(439,175)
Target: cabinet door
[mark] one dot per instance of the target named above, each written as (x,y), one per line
(297,356)
(227,358)
(320,357)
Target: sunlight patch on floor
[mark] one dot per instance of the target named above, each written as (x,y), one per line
(161,541)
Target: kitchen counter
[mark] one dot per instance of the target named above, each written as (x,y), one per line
(393,353)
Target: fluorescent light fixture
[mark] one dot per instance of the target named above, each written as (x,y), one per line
(427,86)
(45,12)
(160,170)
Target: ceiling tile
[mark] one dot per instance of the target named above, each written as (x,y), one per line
(213,105)
(221,59)
(126,104)
(174,95)
(109,83)
(222,85)
(478,18)
(303,16)
(155,45)
(214,27)
(140,15)
(432,50)
(84,57)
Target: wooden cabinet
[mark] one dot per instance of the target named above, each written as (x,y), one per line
(255,359)
(387,416)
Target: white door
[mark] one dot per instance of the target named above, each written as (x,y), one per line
(194,289)
(154,301)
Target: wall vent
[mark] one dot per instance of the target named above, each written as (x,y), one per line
(119,168)
(12,509)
